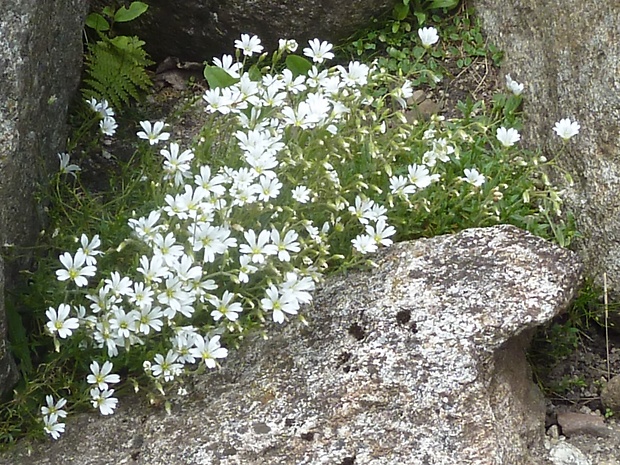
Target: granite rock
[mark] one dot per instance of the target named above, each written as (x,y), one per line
(40,63)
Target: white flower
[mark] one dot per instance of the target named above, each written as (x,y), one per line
(154,269)
(278,303)
(319,51)
(103,400)
(403,93)
(399,185)
(566,129)
(150,319)
(208,350)
(508,137)
(101,375)
(268,188)
(102,107)
(356,75)
(381,232)
(301,194)
(364,244)
(473,177)
(166,367)
(118,285)
(52,427)
(177,166)
(226,63)
(298,289)
(225,307)
(221,100)
(419,176)
(245,269)
(285,244)
(59,321)
(54,408)
(108,126)
(428,36)
(289,45)
(249,45)
(513,86)
(257,247)
(153,132)
(65,167)
(90,248)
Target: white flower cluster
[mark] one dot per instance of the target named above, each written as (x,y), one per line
(236,242)
(107,122)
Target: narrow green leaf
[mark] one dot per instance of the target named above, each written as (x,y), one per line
(128,14)
(217,77)
(443,4)
(97,22)
(298,65)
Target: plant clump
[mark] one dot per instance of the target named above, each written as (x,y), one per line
(301,170)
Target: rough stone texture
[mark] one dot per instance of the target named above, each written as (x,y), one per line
(567,53)
(574,423)
(420,362)
(611,394)
(200,29)
(40,59)
(563,453)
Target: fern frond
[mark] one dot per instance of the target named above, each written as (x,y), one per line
(116,70)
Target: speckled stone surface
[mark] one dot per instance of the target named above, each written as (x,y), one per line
(420,361)
(40,65)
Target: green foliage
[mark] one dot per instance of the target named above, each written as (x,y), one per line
(466,42)
(396,47)
(560,339)
(420,10)
(116,65)
(217,77)
(298,65)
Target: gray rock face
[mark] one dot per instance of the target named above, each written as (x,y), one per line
(567,52)
(40,59)
(200,29)
(420,361)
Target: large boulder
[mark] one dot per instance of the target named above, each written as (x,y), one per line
(40,61)
(567,53)
(419,361)
(200,29)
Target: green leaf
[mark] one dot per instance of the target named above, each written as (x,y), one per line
(127,43)
(421,17)
(298,65)
(443,4)
(401,11)
(108,11)
(255,74)
(128,14)
(395,27)
(97,22)
(217,77)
